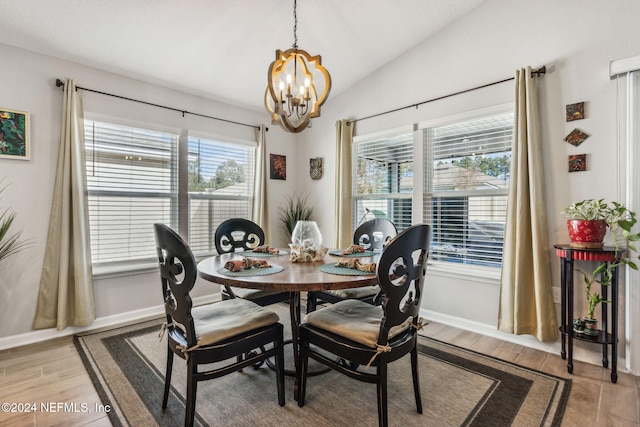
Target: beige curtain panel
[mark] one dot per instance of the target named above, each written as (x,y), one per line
(343,215)
(66,297)
(526,300)
(260,214)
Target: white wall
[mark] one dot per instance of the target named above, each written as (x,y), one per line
(575,39)
(29,85)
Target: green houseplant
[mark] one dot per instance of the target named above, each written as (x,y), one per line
(9,243)
(619,221)
(587,223)
(295,209)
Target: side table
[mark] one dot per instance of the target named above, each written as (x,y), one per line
(568,255)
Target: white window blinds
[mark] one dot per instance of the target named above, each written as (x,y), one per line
(132,184)
(383,184)
(466,186)
(221,181)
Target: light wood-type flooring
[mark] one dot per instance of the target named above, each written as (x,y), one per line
(52,372)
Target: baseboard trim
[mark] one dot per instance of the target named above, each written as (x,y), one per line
(582,354)
(100,323)
(491,331)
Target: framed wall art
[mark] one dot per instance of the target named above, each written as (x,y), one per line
(278,166)
(14,134)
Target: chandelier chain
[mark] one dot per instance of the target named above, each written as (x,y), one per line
(295,26)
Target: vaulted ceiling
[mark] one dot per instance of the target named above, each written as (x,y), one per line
(221,49)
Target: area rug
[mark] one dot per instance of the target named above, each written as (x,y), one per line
(459,388)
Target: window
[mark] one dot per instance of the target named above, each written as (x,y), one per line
(221,180)
(132,184)
(383,185)
(132,179)
(466,172)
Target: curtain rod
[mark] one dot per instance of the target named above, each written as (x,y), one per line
(541,70)
(60,83)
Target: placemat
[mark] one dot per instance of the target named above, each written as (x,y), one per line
(250,254)
(332,268)
(252,271)
(356,255)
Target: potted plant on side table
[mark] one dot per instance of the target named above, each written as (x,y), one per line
(587,223)
(586,231)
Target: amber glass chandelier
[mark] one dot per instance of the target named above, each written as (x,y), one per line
(298,85)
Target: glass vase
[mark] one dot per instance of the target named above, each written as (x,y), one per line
(307,235)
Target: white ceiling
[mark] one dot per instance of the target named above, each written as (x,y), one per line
(221,49)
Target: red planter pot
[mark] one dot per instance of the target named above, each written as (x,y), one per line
(587,233)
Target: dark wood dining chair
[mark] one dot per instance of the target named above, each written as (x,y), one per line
(244,235)
(360,339)
(372,235)
(225,331)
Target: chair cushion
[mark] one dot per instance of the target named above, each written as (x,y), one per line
(252,293)
(357,293)
(355,320)
(221,320)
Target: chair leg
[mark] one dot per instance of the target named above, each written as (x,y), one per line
(192,384)
(416,378)
(280,367)
(167,377)
(301,374)
(311,302)
(383,417)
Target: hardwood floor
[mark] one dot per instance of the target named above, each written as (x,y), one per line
(44,375)
(49,373)
(593,401)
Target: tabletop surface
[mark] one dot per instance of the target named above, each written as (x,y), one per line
(606,253)
(296,276)
(567,246)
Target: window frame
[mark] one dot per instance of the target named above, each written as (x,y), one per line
(182,197)
(358,217)
(129,266)
(249,198)
(487,274)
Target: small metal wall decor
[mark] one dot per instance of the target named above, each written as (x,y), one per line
(315,168)
(575,111)
(576,137)
(577,162)
(278,166)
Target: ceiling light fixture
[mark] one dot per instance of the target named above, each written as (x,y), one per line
(295,78)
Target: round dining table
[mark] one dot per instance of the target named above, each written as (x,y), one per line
(294,278)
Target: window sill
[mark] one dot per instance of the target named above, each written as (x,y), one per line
(123,270)
(465,272)
(132,269)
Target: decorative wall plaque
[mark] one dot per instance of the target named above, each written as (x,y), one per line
(315,168)
(575,111)
(576,137)
(577,163)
